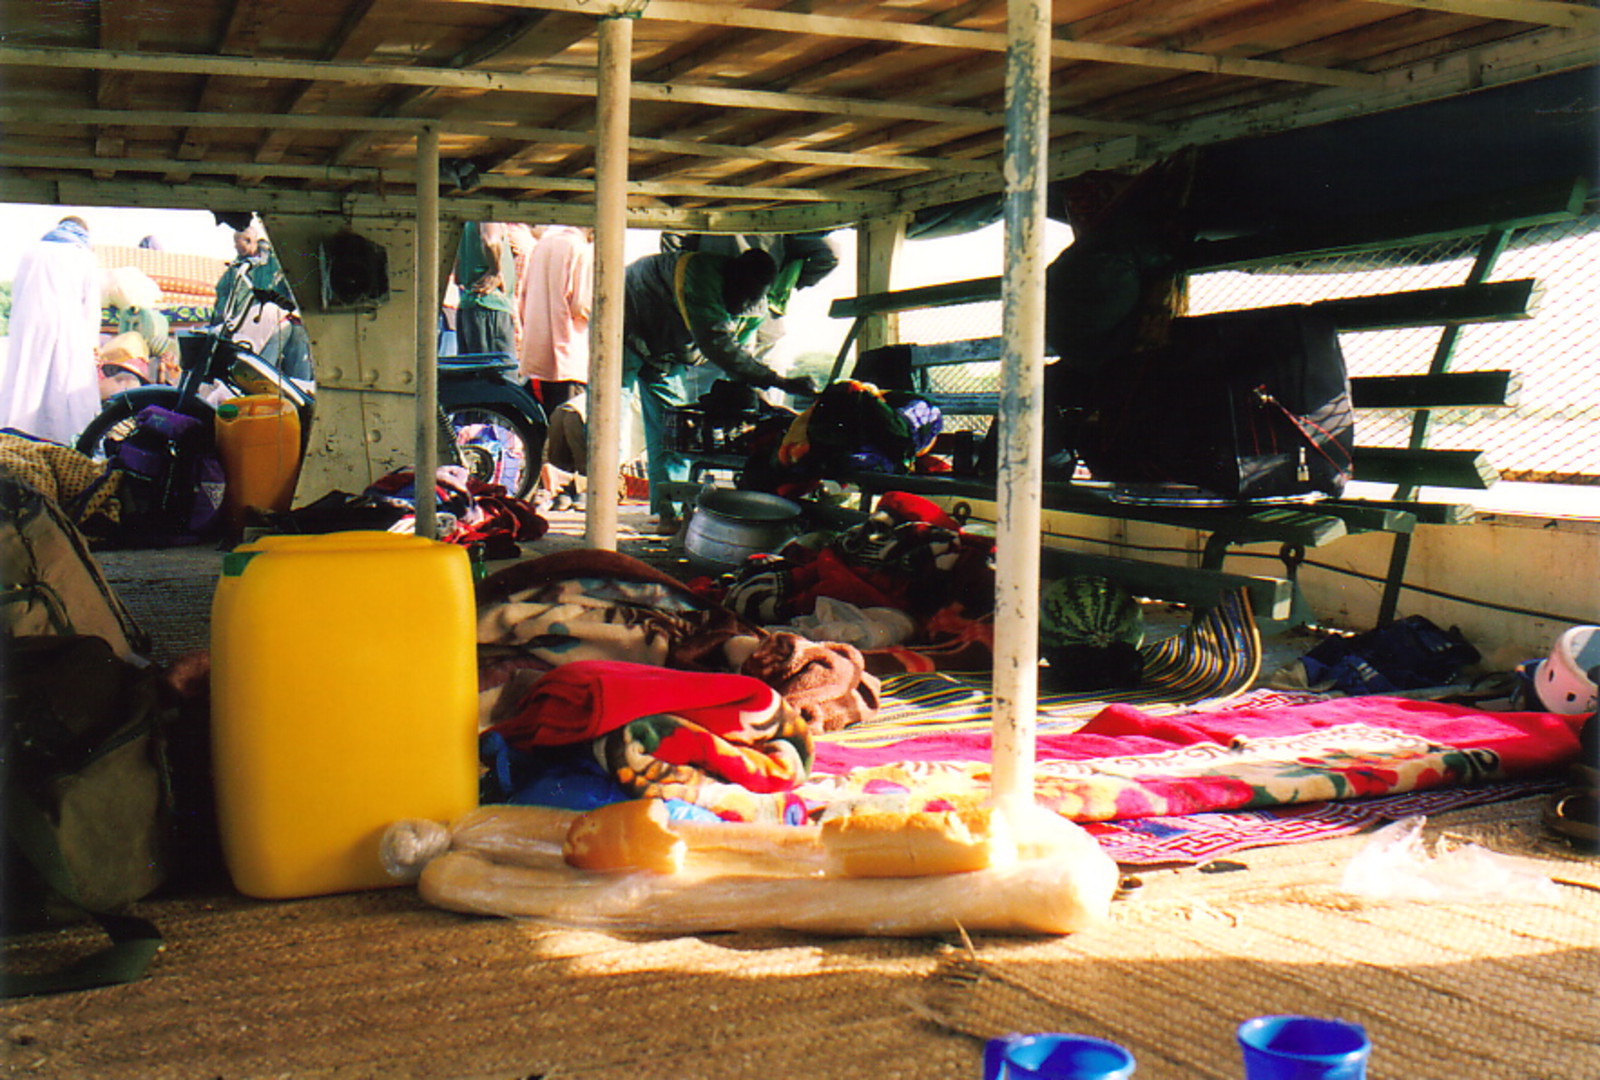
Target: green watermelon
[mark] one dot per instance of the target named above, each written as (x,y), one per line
(1088,610)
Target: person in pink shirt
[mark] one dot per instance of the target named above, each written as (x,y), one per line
(554,354)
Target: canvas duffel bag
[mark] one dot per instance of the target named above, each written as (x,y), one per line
(50,583)
(87,802)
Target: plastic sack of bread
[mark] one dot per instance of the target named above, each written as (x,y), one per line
(627,867)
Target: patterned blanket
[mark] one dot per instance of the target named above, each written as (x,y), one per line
(724,742)
(1126,763)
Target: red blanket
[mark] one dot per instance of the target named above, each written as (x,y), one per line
(664,733)
(1125,763)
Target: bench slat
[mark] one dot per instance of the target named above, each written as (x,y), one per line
(1270,597)
(975,290)
(1496,301)
(1456,389)
(1469,469)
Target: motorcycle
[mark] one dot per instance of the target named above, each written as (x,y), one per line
(489,423)
(496,425)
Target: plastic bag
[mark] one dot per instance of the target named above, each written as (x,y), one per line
(1396,864)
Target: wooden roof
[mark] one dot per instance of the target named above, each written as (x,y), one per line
(781,114)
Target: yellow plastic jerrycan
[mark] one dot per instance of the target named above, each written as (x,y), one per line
(258,440)
(343,699)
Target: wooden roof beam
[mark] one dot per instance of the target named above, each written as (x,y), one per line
(575,86)
(380,178)
(911,33)
(505,37)
(410,126)
(119,30)
(1533,12)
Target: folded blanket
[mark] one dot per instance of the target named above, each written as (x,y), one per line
(825,681)
(667,734)
(602,605)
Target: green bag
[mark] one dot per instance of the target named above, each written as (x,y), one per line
(87,802)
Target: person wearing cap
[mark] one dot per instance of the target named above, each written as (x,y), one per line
(124,364)
(48,383)
(683,309)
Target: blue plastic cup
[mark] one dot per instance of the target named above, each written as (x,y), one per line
(1055,1057)
(1303,1048)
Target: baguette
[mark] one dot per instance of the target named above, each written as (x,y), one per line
(637,835)
(1061,894)
(887,843)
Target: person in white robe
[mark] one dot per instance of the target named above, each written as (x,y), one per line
(49,382)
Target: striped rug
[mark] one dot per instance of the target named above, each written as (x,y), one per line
(1216,657)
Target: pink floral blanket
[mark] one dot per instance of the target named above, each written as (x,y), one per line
(1124,763)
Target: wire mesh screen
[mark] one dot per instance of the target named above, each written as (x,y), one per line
(957,322)
(1551,432)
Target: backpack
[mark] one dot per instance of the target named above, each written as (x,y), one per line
(49,581)
(172,480)
(87,802)
(1240,405)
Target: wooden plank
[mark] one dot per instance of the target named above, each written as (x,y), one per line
(493,81)
(1468,469)
(1455,389)
(1270,597)
(1495,301)
(968,351)
(957,38)
(976,290)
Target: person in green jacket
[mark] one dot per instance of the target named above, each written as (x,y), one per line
(685,309)
(487,275)
(802,260)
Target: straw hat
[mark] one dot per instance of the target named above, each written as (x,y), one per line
(129,352)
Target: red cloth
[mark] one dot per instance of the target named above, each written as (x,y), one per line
(904,506)
(668,734)
(585,699)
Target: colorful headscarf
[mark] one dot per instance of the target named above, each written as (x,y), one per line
(69,231)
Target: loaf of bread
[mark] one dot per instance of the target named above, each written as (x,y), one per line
(887,843)
(1062,883)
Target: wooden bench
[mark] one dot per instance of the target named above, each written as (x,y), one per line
(1295,528)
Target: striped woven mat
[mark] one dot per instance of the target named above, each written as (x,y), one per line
(1215,658)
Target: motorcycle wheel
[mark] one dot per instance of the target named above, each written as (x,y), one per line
(115,419)
(498,444)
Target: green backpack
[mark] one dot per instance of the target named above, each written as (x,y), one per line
(87,802)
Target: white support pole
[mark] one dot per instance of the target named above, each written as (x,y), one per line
(605,320)
(1016,654)
(427,327)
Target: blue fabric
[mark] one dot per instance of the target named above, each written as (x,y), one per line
(69,232)
(1408,654)
(565,777)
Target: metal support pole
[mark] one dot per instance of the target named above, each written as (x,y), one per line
(605,320)
(1021,444)
(427,326)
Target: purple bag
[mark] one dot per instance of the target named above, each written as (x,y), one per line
(172,479)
